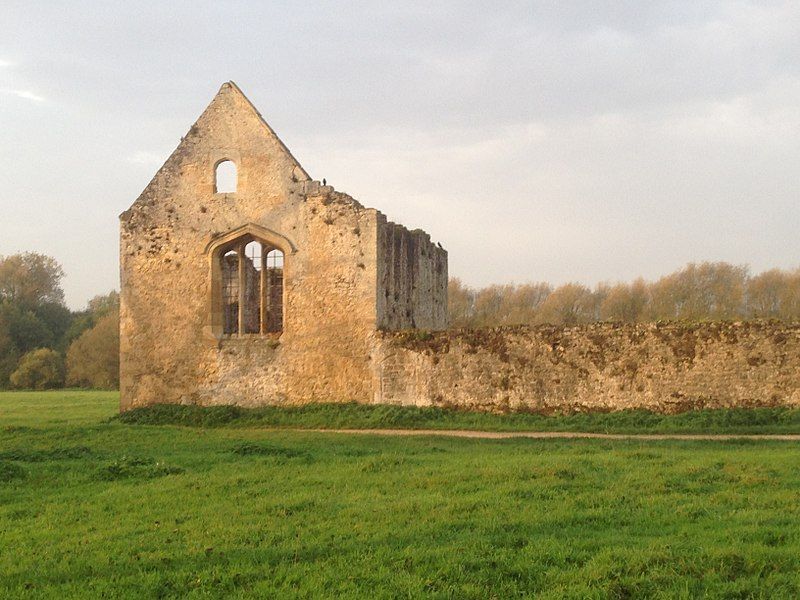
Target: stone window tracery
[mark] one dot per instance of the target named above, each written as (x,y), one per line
(252,274)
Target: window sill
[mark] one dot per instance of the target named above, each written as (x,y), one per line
(251,336)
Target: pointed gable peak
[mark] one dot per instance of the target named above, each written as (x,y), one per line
(230,87)
(231,99)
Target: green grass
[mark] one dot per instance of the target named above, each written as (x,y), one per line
(359,416)
(94,507)
(73,407)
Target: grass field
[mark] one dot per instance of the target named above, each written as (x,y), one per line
(94,507)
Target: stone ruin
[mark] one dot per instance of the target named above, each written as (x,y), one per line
(268,288)
(265,286)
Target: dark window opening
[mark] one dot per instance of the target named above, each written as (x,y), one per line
(230,292)
(252,288)
(273,291)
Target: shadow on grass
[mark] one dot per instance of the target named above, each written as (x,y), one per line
(135,468)
(360,416)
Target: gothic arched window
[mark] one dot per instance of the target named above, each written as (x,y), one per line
(251,286)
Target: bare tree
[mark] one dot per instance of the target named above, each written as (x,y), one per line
(570,304)
(626,302)
(699,291)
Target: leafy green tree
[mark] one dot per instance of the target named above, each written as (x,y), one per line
(81,321)
(57,318)
(93,358)
(9,353)
(32,311)
(96,308)
(27,331)
(39,369)
(30,279)
(103,304)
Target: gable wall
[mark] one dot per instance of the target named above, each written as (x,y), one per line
(169,350)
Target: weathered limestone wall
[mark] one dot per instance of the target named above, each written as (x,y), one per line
(412,279)
(346,273)
(662,367)
(172,347)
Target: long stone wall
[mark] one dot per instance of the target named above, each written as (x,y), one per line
(663,367)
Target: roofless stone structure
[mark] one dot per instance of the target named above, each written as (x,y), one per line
(243,281)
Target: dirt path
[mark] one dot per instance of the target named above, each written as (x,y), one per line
(544,435)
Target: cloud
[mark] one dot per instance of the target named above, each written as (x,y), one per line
(5,63)
(25,94)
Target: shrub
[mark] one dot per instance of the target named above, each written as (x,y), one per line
(39,369)
(177,414)
(93,358)
(129,467)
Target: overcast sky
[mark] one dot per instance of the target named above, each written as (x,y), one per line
(557,141)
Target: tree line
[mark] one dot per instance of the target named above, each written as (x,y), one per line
(45,345)
(698,292)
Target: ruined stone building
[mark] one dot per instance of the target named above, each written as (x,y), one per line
(243,281)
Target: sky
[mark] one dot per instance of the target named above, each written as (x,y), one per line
(537,141)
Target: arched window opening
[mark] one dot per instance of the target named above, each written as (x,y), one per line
(225,177)
(252,279)
(275,259)
(230,292)
(252,288)
(273,276)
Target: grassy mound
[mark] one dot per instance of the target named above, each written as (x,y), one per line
(360,416)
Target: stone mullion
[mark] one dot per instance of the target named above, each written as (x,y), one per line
(242,285)
(263,295)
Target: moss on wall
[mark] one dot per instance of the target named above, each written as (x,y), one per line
(668,367)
